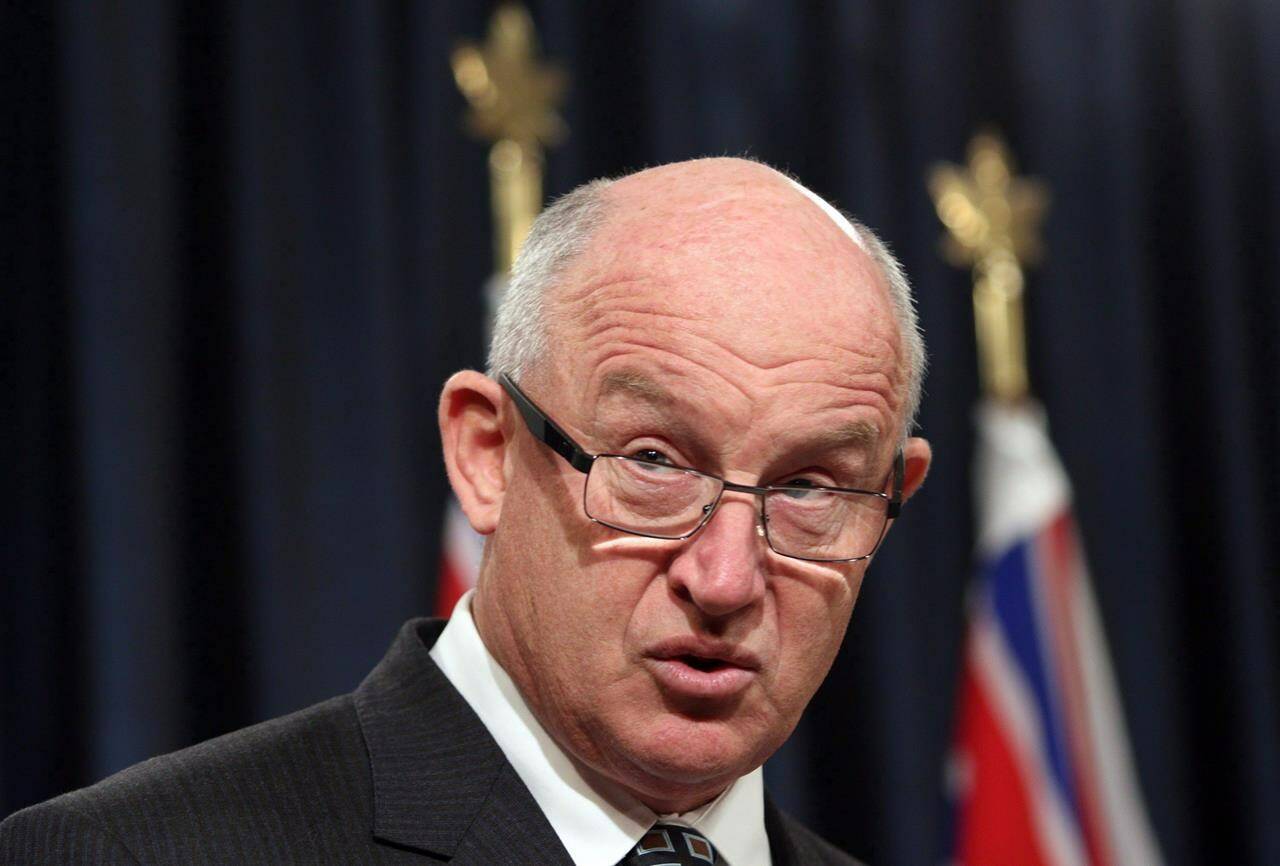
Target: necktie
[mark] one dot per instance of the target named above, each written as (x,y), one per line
(671,845)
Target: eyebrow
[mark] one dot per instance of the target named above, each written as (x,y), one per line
(851,434)
(637,385)
(647,390)
(855,434)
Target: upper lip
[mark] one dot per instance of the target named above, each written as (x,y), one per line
(706,648)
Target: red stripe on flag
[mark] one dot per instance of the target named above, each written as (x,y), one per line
(1060,566)
(451,586)
(994,823)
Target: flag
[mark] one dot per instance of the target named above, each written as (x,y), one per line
(459,559)
(1040,772)
(461,546)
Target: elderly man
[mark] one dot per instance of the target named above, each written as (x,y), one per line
(693,438)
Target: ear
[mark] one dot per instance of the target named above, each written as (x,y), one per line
(475,445)
(916,455)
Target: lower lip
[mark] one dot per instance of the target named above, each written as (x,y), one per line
(681,679)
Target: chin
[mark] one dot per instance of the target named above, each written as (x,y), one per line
(675,756)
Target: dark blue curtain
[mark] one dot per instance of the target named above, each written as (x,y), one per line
(242,245)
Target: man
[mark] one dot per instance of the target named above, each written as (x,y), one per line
(692,439)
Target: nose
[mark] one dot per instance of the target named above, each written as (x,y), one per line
(719,569)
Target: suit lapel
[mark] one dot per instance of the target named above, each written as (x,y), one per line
(506,831)
(781,850)
(441,785)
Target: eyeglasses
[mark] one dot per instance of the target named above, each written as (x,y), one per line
(660,500)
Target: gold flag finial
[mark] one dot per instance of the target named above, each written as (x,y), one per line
(993,226)
(513,100)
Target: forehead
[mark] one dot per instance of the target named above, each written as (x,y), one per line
(736,229)
(733,283)
(681,412)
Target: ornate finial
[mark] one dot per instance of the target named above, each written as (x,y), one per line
(513,101)
(986,208)
(512,95)
(993,226)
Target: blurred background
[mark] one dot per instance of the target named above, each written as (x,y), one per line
(244,243)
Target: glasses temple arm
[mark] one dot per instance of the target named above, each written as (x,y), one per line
(895,497)
(544,429)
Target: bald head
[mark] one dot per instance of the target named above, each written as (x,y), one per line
(739,216)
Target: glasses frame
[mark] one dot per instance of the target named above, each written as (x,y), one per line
(545,430)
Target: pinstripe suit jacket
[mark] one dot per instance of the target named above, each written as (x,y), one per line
(400,771)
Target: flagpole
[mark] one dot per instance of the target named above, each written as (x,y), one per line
(993,220)
(513,98)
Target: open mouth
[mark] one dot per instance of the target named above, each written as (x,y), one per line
(701,663)
(702,670)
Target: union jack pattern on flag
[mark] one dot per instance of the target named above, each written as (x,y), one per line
(1040,773)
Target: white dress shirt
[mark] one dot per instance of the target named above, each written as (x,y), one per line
(597,830)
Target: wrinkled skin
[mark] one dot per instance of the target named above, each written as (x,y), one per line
(720,319)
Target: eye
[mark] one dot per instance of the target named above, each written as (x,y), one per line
(652,455)
(798,485)
(654,461)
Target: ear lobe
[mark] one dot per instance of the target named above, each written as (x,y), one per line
(916,455)
(475,444)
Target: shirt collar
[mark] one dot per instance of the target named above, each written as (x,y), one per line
(598,824)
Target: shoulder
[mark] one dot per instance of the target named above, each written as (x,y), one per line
(58,832)
(794,844)
(226,798)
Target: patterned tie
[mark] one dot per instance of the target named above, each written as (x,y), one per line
(671,845)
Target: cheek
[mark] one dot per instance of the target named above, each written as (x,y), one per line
(813,616)
(542,521)
(531,578)
(577,593)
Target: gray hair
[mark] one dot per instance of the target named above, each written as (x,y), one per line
(563,231)
(558,236)
(904,310)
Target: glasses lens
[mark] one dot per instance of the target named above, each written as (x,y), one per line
(648,498)
(823,524)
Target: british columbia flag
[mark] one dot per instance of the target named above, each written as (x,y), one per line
(1040,773)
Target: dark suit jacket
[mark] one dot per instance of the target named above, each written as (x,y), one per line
(400,771)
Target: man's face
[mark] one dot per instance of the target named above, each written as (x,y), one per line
(738,331)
